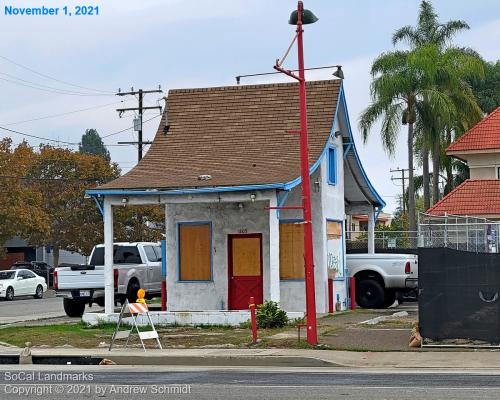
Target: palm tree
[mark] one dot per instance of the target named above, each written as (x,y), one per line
(394,91)
(429,31)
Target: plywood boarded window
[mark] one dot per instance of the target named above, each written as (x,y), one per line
(194,252)
(292,251)
(333,230)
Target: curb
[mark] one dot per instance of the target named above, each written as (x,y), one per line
(132,359)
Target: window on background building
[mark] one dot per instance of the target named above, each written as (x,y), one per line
(291,251)
(194,252)
(498,172)
(332,166)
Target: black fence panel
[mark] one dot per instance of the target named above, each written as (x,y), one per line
(459,295)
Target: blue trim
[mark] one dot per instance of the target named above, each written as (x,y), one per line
(332,166)
(163,258)
(354,151)
(291,220)
(344,258)
(209,223)
(99,205)
(215,189)
(281,202)
(347,147)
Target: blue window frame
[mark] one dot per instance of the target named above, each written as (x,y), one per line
(332,166)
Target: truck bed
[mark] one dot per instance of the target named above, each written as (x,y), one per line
(79,277)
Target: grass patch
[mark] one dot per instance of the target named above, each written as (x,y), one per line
(76,334)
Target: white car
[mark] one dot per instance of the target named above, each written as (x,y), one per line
(21,282)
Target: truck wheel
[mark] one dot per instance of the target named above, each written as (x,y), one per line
(390,298)
(369,294)
(132,289)
(74,308)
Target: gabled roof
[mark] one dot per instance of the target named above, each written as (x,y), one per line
(472,197)
(236,134)
(483,136)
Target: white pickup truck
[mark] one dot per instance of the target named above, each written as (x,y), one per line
(383,277)
(135,265)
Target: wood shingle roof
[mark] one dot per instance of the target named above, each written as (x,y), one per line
(235,134)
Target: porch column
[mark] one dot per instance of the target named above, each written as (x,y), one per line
(109,290)
(274,251)
(371,231)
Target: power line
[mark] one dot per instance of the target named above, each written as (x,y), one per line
(50,77)
(127,129)
(38,137)
(43,88)
(65,113)
(71,143)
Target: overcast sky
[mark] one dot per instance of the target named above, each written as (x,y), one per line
(198,43)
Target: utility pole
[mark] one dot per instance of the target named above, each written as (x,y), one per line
(140,109)
(403,179)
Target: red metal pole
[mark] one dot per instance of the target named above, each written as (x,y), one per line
(352,289)
(312,336)
(253,318)
(163,295)
(331,305)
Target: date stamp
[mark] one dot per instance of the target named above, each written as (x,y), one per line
(43,11)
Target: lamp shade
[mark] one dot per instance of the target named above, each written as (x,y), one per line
(307,17)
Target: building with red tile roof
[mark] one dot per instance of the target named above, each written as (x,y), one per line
(480,195)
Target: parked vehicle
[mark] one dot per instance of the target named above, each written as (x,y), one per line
(136,265)
(21,282)
(38,267)
(381,278)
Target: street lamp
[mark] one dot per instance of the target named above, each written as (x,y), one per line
(301,17)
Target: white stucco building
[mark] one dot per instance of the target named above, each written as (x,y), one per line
(220,158)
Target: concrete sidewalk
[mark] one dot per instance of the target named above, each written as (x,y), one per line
(276,357)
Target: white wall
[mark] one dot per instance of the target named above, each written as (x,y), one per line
(226,219)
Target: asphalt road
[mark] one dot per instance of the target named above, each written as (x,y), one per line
(265,383)
(26,308)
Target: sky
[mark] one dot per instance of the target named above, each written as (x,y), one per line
(198,43)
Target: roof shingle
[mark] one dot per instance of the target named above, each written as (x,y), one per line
(483,136)
(236,134)
(472,197)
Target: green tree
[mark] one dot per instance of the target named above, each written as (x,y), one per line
(60,177)
(93,144)
(487,91)
(19,206)
(449,67)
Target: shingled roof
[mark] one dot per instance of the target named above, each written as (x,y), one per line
(472,197)
(235,134)
(483,136)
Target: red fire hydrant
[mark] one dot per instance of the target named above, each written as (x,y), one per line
(253,319)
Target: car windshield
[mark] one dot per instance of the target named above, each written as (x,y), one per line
(7,274)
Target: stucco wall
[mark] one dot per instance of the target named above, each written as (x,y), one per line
(327,203)
(226,219)
(483,172)
(334,209)
(482,165)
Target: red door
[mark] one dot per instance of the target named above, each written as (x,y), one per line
(245,270)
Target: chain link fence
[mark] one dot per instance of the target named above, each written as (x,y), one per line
(384,240)
(458,232)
